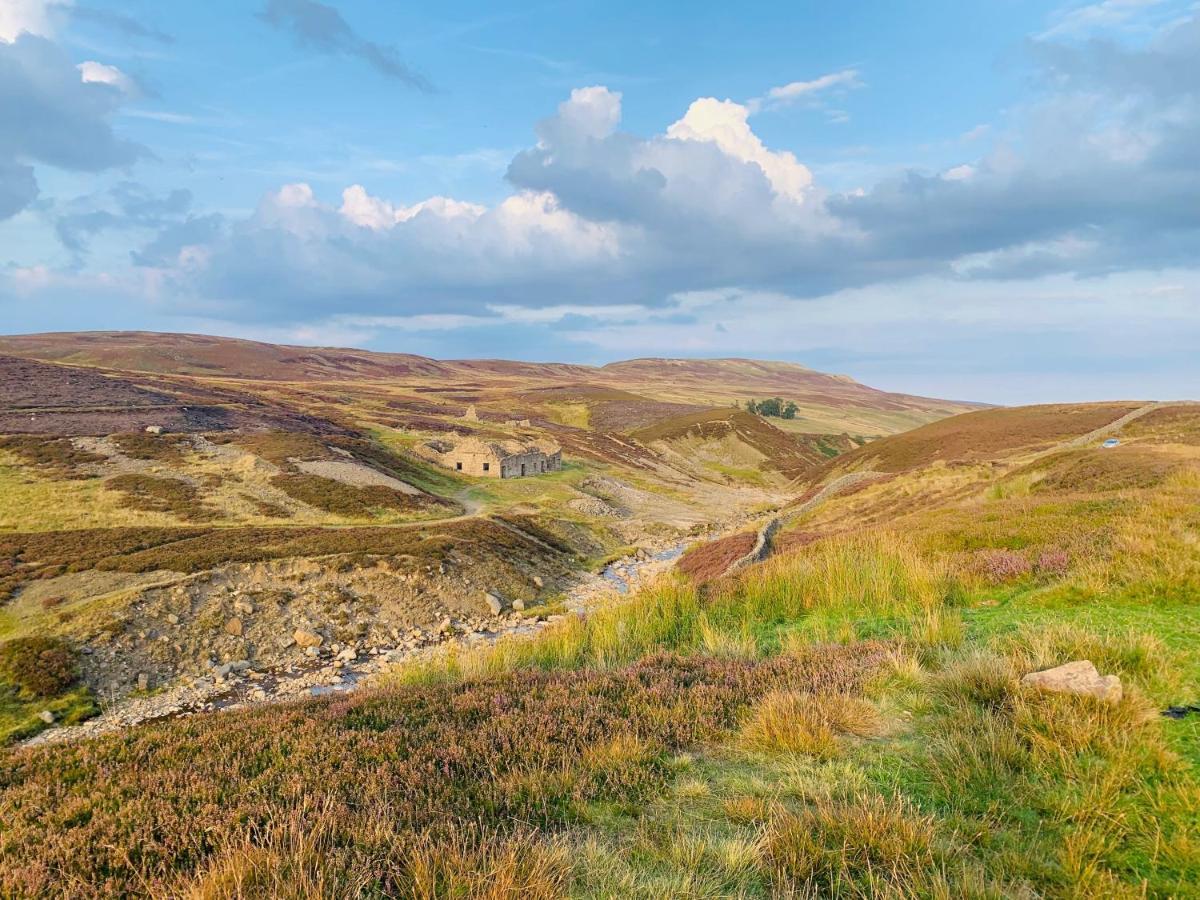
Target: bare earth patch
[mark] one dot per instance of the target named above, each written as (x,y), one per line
(353,473)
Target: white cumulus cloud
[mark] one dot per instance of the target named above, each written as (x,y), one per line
(92,72)
(29,16)
(725,123)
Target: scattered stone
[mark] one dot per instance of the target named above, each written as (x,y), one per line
(307,639)
(154,429)
(172,618)
(46,716)
(234,627)
(538,583)
(1077,677)
(312,651)
(245,607)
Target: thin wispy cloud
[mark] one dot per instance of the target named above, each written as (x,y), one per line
(106,18)
(807,91)
(321,27)
(1109,16)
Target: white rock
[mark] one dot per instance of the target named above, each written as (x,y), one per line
(1078,677)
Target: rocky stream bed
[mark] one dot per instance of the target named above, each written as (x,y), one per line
(326,668)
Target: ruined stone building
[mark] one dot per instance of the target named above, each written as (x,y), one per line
(502,458)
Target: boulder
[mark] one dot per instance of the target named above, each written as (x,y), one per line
(1078,677)
(234,627)
(46,716)
(143,681)
(494,603)
(306,638)
(154,429)
(518,604)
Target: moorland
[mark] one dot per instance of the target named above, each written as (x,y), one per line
(822,696)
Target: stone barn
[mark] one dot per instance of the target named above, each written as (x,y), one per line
(503,459)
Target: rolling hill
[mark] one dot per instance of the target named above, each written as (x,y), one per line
(828,403)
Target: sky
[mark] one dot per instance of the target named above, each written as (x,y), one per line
(996,200)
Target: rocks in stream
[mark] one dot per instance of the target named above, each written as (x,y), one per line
(307,639)
(331,662)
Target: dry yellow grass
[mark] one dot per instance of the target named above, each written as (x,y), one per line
(791,722)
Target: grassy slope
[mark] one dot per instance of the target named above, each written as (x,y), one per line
(584,762)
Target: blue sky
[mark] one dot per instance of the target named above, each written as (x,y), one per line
(995,200)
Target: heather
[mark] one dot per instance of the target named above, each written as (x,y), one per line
(380,775)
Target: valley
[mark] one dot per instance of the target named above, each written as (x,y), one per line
(178,507)
(709,656)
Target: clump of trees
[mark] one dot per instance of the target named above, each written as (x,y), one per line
(773,407)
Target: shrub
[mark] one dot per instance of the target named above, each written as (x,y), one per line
(1053,563)
(169,448)
(54,456)
(499,755)
(347,499)
(38,666)
(167,495)
(1000,566)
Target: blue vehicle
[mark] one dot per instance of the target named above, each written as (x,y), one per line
(1111,442)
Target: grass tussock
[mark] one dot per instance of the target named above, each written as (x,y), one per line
(793,722)
(869,847)
(305,854)
(1114,806)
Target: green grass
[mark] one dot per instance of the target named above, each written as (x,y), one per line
(19,717)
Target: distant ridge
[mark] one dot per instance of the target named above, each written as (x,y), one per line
(712,381)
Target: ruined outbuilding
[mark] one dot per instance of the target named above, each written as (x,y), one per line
(499,458)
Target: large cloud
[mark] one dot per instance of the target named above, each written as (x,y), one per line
(64,115)
(1108,160)
(597,213)
(1101,172)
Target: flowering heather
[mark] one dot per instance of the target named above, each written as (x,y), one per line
(376,779)
(999,566)
(1053,563)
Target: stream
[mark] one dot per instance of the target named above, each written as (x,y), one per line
(319,677)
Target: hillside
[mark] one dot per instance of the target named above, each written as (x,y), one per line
(850,717)
(244,492)
(828,403)
(991,434)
